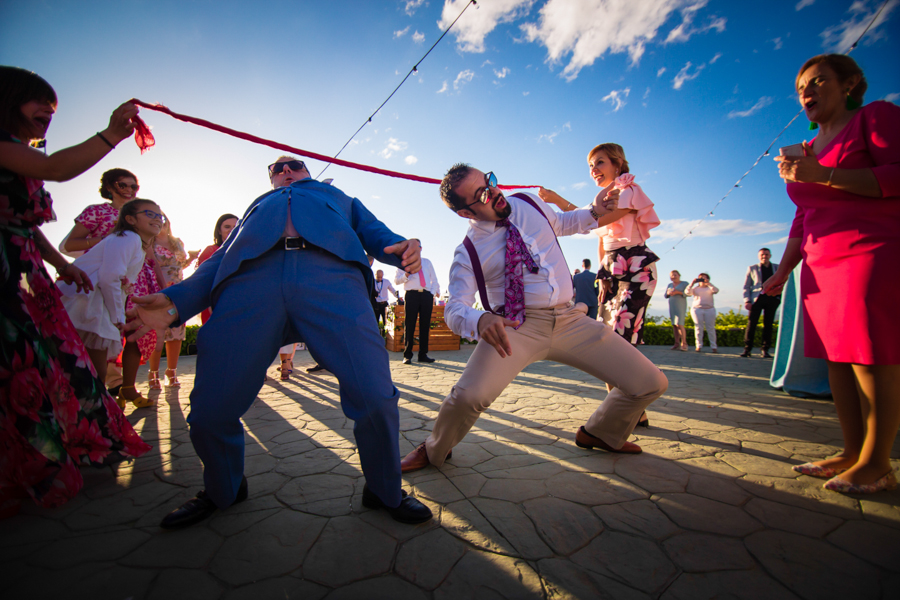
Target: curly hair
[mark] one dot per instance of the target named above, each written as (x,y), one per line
(454,175)
(108,179)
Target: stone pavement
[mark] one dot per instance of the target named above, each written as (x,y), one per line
(710,509)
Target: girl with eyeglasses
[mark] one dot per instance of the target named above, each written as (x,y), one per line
(95,222)
(99,315)
(55,415)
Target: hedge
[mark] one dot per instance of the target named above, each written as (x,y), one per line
(662,335)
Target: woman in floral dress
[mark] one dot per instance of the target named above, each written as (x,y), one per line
(92,225)
(172,260)
(55,415)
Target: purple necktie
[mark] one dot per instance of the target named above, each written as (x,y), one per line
(516,254)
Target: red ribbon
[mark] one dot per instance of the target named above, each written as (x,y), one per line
(145,141)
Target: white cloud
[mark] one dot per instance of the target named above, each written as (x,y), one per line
(892,97)
(685,29)
(803,4)
(713,60)
(760,104)
(646,93)
(778,43)
(478,21)
(410,160)
(444,88)
(781,240)
(839,38)
(412,5)
(418,37)
(660,72)
(675,229)
(683,75)
(550,136)
(579,186)
(401,32)
(501,73)
(616,98)
(393,145)
(463,78)
(525,93)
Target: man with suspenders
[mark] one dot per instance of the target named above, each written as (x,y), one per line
(512,259)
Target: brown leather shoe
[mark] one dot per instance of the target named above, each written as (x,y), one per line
(417,459)
(583,439)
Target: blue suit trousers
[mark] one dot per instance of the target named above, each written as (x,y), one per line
(281,297)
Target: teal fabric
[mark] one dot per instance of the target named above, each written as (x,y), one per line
(791,370)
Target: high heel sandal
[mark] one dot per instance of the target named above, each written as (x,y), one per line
(153,378)
(645,422)
(139,401)
(172,380)
(286,370)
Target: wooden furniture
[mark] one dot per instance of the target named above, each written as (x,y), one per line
(440,337)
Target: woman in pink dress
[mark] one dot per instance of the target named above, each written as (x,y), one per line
(92,225)
(846,186)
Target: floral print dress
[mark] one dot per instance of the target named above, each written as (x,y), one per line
(55,415)
(172,265)
(100,219)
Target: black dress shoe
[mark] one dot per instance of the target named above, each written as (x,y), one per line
(426,359)
(198,508)
(410,511)
(315,369)
(407,361)
(765,354)
(745,354)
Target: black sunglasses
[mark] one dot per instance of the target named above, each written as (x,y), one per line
(490,181)
(276,168)
(133,186)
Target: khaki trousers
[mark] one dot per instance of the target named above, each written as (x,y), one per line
(563,335)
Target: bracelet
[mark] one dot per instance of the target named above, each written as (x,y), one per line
(594,214)
(63,269)
(830,175)
(108,143)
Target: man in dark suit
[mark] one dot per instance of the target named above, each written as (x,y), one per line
(586,288)
(756,302)
(294,269)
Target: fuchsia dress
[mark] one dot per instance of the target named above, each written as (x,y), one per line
(850,280)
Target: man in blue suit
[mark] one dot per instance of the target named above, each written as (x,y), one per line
(294,269)
(586,288)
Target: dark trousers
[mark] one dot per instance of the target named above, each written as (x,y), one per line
(381,312)
(592,312)
(418,306)
(767,305)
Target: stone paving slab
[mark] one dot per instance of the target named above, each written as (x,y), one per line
(710,509)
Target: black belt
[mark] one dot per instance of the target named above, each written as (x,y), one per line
(295,243)
(418,291)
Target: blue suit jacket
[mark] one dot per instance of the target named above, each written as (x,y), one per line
(585,290)
(321,213)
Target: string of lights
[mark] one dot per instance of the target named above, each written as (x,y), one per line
(766,153)
(415,69)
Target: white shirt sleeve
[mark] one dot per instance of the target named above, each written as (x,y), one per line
(118,253)
(575,221)
(459,314)
(400,277)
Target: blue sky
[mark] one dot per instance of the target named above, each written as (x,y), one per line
(694,90)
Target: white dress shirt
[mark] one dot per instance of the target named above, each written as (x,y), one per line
(550,286)
(411,282)
(383,287)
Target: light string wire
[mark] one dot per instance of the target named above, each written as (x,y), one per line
(766,153)
(415,69)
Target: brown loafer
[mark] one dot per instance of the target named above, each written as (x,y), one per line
(417,459)
(583,439)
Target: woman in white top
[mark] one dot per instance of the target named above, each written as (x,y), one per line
(703,311)
(627,267)
(112,264)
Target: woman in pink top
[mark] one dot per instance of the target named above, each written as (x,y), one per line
(847,231)
(627,266)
